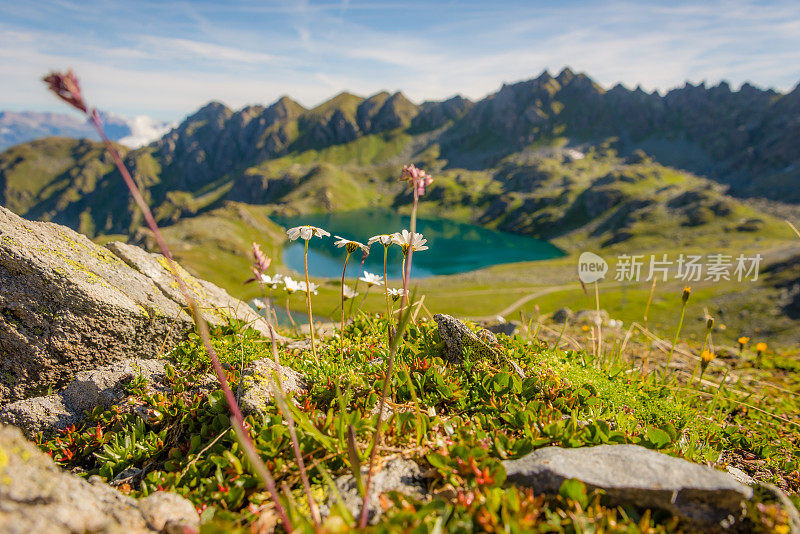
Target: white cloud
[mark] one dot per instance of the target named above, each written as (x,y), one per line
(144,130)
(183,48)
(311,52)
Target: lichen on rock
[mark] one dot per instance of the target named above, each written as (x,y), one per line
(459,339)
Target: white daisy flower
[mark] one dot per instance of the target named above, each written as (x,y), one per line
(396,294)
(408,240)
(259,304)
(305,232)
(348,292)
(383,239)
(305,288)
(272,281)
(291,285)
(350,245)
(371,279)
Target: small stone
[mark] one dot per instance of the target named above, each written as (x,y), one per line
(562,315)
(102,387)
(591,317)
(397,474)
(169,513)
(740,475)
(457,337)
(257,380)
(487,336)
(105,386)
(630,474)
(38,414)
(507,329)
(125,475)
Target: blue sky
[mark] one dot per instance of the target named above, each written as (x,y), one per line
(165,59)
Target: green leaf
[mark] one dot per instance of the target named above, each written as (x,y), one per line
(355,458)
(574,489)
(658,438)
(439,461)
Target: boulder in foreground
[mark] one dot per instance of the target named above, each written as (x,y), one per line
(68,305)
(36,496)
(630,474)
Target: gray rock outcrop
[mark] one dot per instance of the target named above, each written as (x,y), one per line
(630,474)
(217,305)
(36,496)
(101,387)
(68,305)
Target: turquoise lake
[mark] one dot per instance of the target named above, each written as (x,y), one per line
(453,247)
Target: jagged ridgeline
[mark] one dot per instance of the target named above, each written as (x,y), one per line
(550,157)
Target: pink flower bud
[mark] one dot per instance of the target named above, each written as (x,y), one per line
(66,87)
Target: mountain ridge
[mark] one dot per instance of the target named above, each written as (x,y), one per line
(343,154)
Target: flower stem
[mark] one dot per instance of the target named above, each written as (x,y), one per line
(675,341)
(308,301)
(407,269)
(360,304)
(355,289)
(341,330)
(705,342)
(289,313)
(386,291)
(272,307)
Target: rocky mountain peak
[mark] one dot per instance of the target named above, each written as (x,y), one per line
(565,76)
(397,111)
(544,77)
(214,110)
(285,108)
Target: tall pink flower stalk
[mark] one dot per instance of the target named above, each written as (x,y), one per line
(67,88)
(418,180)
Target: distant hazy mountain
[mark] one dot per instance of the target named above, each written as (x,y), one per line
(16,128)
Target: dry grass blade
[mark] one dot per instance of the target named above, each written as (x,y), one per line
(793,227)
